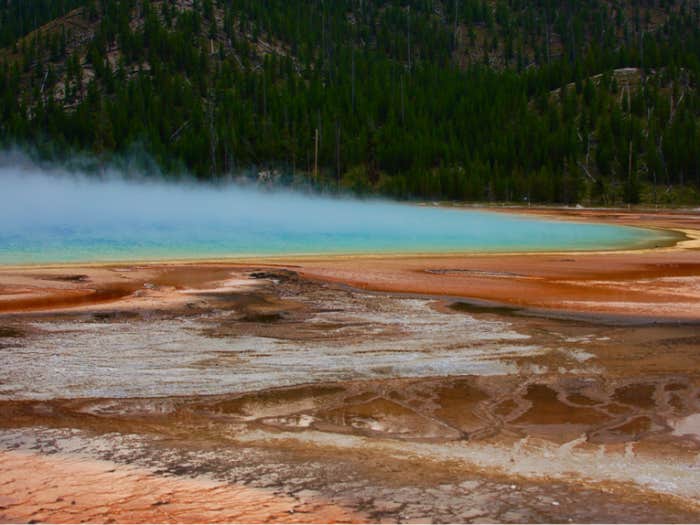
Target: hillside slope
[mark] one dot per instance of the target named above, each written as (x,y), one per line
(544,101)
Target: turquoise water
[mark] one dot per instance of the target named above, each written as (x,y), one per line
(56,218)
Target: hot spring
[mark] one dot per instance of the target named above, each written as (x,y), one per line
(54,216)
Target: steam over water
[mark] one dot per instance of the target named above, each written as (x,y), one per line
(56,216)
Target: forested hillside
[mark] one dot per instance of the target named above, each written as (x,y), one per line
(592,101)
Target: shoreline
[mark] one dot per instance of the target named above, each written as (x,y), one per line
(647,282)
(677,238)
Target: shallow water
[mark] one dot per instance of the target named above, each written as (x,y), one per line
(382,337)
(59,217)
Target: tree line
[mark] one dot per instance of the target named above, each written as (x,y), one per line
(544,101)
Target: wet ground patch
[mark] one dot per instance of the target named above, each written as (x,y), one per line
(12,332)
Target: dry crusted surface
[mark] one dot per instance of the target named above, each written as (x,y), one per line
(67,490)
(320,483)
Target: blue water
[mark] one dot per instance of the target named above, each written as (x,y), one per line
(59,218)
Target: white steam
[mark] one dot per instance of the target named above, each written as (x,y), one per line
(52,214)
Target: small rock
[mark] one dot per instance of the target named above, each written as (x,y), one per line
(417,509)
(471,514)
(382,505)
(470,485)
(418,520)
(516,517)
(307,494)
(547,500)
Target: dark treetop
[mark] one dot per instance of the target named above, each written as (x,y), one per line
(528,101)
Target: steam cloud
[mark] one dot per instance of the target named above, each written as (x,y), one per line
(53,214)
